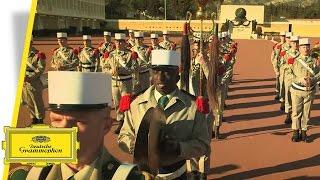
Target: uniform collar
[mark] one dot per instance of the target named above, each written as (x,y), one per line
(149,97)
(158,95)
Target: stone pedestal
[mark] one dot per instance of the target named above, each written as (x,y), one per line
(241,32)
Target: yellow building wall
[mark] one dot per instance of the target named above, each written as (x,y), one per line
(304,28)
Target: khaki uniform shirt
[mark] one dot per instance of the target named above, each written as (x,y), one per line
(122,63)
(64,59)
(89,59)
(300,71)
(143,57)
(106,47)
(184,123)
(275,55)
(168,45)
(131,43)
(285,66)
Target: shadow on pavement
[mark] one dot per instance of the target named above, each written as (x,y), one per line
(308,162)
(254,130)
(253,116)
(223,169)
(253,80)
(251,87)
(238,96)
(304,178)
(251,104)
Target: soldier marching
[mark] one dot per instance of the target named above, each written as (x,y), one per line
(88,56)
(32,86)
(64,58)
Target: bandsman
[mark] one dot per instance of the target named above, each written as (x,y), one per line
(284,48)
(232,47)
(155,42)
(107,45)
(87,109)
(227,51)
(64,58)
(286,62)
(89,56)
(274,60)
(143,53)
(305,77)
(123,65)
(167,43)
(32,87)
(131,41)
(185,134)
(223,75)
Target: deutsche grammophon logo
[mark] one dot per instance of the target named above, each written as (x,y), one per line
(40,145)
(40,139)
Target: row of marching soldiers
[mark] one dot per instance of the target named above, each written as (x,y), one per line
(116,57)
(296,65)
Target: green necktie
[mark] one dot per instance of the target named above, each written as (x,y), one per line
(163,101)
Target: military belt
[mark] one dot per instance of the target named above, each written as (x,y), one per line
(87,66)
(301,88)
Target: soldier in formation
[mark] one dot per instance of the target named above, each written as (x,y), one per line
(131,41)
(88,56)
(228,49)
(305,77)
(144,63)
(155,42)
(94,160)
(286,61)
(275,61)
(64,58)
(284,48)
(32,86)
(107,45)
(167,43)
(123,65)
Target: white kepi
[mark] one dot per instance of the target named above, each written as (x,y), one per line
(82,91)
